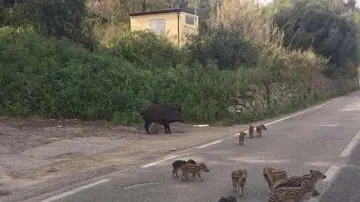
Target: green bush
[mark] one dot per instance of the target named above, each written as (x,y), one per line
(277,64)
(43,73)
(145,49)
(314,24)
(52,18)
(59,78)
(225,48)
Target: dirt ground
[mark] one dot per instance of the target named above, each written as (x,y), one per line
(35,150)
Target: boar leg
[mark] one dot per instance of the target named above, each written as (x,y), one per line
(200,177)
(146,126)
(174,172)
(167,128)
(163,124)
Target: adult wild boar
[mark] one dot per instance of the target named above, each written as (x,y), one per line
(163,114)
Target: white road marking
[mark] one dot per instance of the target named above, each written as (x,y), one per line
(351,107)
(139,185)
(288,117)
(68,193)
(331,173)
(159,161)
(351,146)
(329,125)
(296,114)
(218,141)
(200,126)
(209,144)
(318,163)
(258,161)
(313,200)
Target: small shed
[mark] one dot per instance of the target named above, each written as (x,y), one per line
(175,23)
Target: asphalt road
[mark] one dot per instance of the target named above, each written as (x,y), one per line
(312,140)
(347,185)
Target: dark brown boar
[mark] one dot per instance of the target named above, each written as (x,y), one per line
(163,114)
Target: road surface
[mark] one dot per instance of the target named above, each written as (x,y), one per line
(324,138)
(347,185)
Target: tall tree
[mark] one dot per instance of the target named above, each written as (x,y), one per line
(351,4)
(312,24)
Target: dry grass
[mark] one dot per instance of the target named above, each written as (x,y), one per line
(248,15)
(256,24)
(105,32)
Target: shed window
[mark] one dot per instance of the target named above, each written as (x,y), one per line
(157,26)
(189,19)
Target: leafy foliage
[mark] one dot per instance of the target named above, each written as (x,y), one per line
(357,21)
(74,82)
(227,49)
(145,49)
(312,24)
(51,65)
(53,18)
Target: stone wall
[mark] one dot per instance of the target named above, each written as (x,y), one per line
(260,98)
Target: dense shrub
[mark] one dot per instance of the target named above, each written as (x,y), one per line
(145,49)
(57,77)
(309,23)
(60,78)
(52,18)
(50,65)
(225,48)
(278,64)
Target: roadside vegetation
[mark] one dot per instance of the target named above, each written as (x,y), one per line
(71,59)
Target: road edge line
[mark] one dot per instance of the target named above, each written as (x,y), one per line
(351,145)
(74,191)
